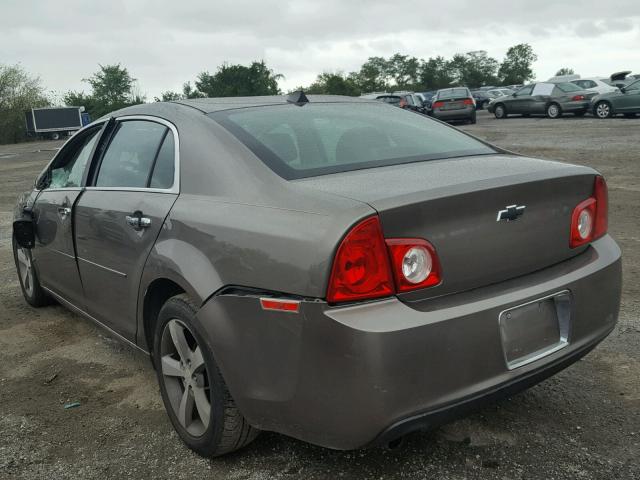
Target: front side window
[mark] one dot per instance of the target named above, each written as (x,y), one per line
(323,138)
(130,156)
(525,91)
(634,86)
(68,169)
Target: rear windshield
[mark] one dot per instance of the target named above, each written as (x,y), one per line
(568,87)
(453,93)
(323,138)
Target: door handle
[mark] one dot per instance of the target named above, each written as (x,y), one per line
(64,211)
(137,221)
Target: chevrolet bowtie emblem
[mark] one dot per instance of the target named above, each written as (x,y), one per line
(510,213)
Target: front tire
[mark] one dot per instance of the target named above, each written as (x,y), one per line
(28,277)
(500,111)
(194,393)
(603,110)
(554,110)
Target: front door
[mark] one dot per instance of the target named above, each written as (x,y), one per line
(119,217)
(521,101)
(629,101)
(54,209)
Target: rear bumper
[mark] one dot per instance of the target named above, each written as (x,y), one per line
(346,377)
(460,114)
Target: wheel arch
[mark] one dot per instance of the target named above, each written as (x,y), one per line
(608,102)
(173,267)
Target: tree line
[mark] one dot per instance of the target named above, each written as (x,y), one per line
(112,87)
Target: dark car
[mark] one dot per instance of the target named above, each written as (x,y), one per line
(626,101)
(453,104)
(544,98)
(482,98)
(330,268)
(427,98)
(411,101)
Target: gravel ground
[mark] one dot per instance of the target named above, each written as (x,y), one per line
(583,423)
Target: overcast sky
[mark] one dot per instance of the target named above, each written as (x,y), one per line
(165,43)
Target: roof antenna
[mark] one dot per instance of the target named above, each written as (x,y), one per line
(298,98)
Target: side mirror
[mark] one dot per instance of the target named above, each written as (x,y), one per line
(514,94)
(623,90)
(25,232)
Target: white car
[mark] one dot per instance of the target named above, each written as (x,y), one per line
(594,85)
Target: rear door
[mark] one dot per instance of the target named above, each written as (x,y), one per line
(133,186)
(54,209)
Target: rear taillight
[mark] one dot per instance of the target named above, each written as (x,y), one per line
(366,265)
(437,105)
(590,218)
(361,265)
(468,101)
(414,263)
(577,98)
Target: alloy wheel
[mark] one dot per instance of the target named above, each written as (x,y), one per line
(25,270)
(184,374)
(603,110)
(553,111)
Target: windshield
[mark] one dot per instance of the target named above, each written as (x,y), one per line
(568,87)
(323,138)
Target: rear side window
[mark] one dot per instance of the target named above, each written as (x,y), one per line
(323,138)
(568,87)
(130,155)
(164,168)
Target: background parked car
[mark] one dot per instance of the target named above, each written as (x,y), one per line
(595,85)
(427,97)
(625,101)
(454,104)
(482,98)
(544,98)
(383,97)
(411,101)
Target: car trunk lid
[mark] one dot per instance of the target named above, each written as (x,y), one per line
(455,205)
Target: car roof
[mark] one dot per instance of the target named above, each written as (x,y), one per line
(211,105)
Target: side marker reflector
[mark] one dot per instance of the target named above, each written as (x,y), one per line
(292,306)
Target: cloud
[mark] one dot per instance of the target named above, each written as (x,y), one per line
(165,43)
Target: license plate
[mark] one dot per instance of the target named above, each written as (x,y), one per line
(535,329)
(452,106)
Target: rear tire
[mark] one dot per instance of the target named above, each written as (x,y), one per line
(554,110)
(500,111)
(194,393)
(603,110)
(472,120)
(28,277)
